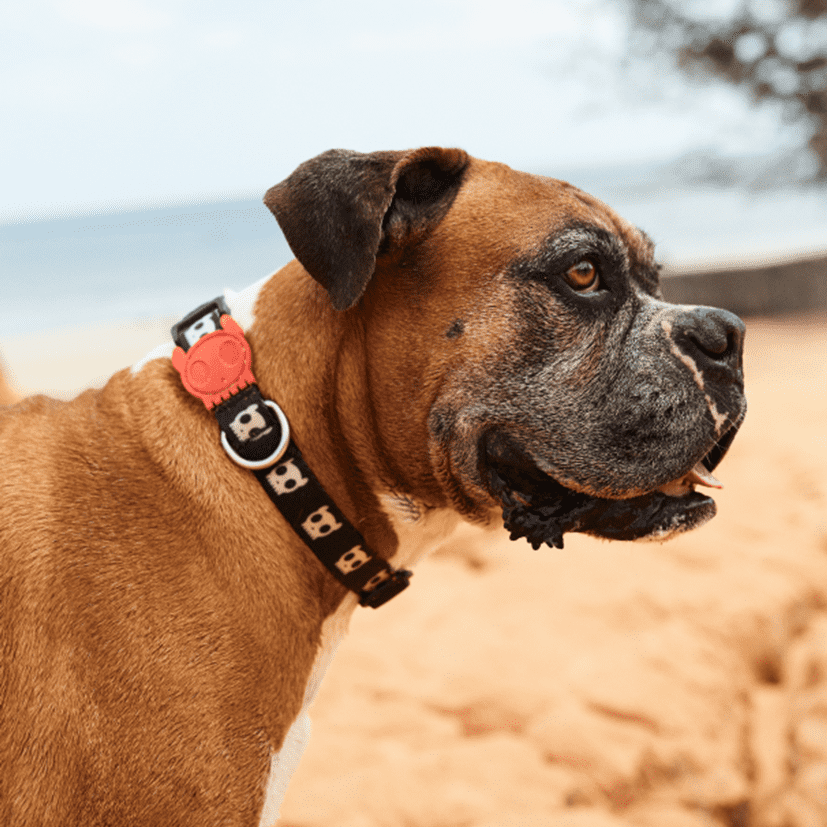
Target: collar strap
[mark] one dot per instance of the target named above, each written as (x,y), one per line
(215,363)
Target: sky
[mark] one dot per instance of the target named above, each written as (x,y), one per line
(113,104)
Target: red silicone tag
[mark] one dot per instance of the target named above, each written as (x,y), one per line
(217,365)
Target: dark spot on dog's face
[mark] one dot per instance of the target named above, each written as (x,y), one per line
(456,329)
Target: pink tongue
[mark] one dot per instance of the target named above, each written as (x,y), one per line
(701,476)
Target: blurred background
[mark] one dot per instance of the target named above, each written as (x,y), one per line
(140,135)
(605,685)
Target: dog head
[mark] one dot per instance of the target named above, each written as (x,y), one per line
(527,355)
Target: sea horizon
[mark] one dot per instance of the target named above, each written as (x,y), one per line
(158,261)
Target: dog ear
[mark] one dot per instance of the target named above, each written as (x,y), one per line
(337,209)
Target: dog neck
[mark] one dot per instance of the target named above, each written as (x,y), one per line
(320,375)
(331,410)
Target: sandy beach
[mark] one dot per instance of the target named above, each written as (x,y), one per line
(65,361)
(605,685)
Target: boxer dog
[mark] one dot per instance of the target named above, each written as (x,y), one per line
(454,341)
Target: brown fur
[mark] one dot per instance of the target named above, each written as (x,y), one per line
(158,618)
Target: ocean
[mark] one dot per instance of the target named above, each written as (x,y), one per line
(91,269)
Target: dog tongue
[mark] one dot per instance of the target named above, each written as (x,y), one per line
(701,476)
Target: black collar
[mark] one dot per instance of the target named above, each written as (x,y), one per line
(214,360)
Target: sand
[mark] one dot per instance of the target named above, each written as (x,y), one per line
(63,362)
(605,685)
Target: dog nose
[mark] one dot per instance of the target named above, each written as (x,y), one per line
(713,339)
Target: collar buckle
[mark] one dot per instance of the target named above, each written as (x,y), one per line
(213,357)
(198,323)
(397,581)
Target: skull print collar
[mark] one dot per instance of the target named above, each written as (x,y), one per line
(214,361)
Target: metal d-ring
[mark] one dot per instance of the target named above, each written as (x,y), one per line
(254,464)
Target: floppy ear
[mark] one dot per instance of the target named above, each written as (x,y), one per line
(338,208)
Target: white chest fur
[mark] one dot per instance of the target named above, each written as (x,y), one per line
(419,533)
(283,763)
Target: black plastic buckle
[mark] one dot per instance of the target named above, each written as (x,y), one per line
(203,320)
(381,594)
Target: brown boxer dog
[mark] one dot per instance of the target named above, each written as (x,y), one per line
(456,340)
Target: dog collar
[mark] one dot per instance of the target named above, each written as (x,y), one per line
(215,363)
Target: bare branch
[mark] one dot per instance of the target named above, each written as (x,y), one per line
(782,59)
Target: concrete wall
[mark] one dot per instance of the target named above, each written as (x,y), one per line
(789,286)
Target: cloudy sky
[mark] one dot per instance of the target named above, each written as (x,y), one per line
(115,103)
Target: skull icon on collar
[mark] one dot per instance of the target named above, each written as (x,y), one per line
(351,560)
(320,523)
(247,422)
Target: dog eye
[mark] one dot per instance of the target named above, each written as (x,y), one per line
(583,276)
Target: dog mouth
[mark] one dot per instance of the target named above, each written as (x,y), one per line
(539,508)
